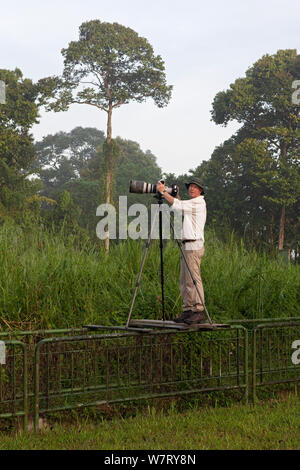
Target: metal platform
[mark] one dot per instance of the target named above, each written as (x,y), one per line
(121,328)
(147,326)
(176,326)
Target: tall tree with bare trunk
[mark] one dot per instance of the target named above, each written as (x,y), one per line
(109,66)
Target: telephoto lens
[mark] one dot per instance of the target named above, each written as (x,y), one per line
(141,187)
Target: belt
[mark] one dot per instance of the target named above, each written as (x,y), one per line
(188,241)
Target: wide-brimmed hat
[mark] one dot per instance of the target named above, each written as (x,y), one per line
(197,181)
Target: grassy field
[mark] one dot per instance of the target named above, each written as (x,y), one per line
(48,280)
(270,425)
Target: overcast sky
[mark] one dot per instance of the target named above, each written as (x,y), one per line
(205,47)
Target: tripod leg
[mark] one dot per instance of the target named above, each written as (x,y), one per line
(142,266)
(161,264)
(190,272)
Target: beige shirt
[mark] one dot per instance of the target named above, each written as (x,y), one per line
(194,213)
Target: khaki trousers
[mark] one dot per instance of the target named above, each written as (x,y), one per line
(188,291)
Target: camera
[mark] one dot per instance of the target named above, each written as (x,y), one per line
(140,187)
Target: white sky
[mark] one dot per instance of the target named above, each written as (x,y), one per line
(205,47)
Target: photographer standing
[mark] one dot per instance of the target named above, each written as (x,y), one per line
(194,212)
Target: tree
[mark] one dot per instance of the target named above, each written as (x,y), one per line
(236,192)
(62,157)
(75,162)
(262,103)
(79,145)
(110,65)
(66,212)
(133,164)
(17,115)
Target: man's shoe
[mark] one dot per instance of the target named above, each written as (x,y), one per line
(196,318)
(184,315)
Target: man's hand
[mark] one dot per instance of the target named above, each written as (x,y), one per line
(160,187)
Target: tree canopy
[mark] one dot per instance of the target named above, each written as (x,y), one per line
(115,63)
(17,115)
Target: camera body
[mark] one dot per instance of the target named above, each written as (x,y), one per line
(141,187)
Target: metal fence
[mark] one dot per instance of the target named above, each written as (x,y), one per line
(90,370)
(79,368)
(14,382)
(272,350)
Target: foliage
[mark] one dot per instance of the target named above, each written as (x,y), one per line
(65,213)
(17,116)
(118,65)
(63,156)
(77,146)
(62,167)
(132,164)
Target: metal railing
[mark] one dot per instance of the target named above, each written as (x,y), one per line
(14,382)
(272,354)
(72,372)
(79,368)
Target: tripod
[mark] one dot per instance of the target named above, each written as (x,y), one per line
(159,211)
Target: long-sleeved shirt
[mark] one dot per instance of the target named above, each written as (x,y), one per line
(194,213)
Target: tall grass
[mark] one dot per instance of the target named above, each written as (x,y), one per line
(48,280)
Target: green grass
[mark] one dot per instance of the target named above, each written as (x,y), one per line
(270,425)
(48,280)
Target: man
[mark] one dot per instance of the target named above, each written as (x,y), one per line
(194,212)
